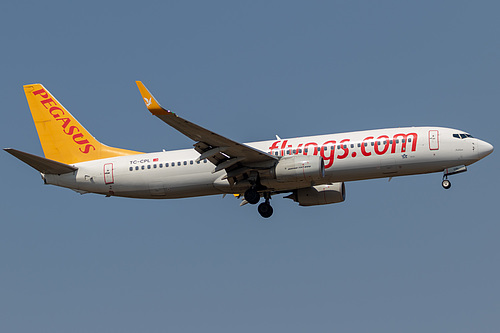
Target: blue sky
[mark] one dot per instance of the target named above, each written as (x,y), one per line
(396,256)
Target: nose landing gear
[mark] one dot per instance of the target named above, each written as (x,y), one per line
(451,171)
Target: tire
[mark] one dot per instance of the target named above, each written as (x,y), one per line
(446,184)
(252,196)
(265,210)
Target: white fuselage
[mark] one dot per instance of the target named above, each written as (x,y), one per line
(347,157)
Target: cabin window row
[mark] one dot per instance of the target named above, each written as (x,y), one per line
(352,145)
(166,165)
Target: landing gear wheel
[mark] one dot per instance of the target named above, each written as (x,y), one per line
(265,210)
(446,184)
(252,196)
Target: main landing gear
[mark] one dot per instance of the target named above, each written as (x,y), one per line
(265,209)
(252,196)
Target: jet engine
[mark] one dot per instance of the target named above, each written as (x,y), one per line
(319,195)
(299,168)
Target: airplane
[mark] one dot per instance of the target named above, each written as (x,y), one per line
(312,170)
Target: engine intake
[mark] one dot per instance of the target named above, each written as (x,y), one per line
(319,195)
(300,168)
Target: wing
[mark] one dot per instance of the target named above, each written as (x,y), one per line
(224,153)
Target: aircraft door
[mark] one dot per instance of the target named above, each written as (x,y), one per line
(433,140)
(108,174)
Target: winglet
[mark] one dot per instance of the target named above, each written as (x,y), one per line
(151,103)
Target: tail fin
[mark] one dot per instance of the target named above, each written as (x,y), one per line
(62,137)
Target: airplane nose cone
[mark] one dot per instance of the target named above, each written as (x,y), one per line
(485,149)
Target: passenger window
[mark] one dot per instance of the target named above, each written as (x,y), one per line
(185,163)
(142,167)
(131,168)
(154,166)
(359,145)
(137,168)
(149,166)
(300,151)
(205,161)
(409,139)
(178,163)
(191,162)
(352,146)
(373,143)
(161,165)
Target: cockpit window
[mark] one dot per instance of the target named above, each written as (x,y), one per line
(462,136)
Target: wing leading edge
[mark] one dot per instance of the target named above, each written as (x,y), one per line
(224,153)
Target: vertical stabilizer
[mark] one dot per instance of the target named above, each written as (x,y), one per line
(62,137)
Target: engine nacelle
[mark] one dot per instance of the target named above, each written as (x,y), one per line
(319,195)
(300,168)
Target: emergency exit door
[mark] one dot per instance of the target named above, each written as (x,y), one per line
(433,140)
(108,174)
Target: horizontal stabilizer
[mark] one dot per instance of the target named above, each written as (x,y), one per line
(44,165)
